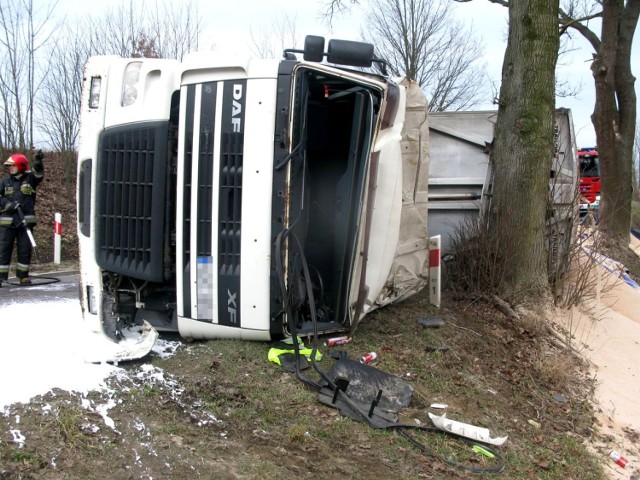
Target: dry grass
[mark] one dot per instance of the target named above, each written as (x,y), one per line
(555,369)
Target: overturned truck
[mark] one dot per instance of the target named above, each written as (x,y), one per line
(221,198)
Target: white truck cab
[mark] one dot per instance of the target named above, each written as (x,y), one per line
(245,199)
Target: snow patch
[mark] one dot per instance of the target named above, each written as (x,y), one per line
(45,346)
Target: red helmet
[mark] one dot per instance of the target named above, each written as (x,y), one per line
(19,161)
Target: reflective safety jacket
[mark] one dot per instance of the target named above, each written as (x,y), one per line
(286,346)
(20,188)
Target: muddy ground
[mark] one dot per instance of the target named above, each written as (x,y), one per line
(219,409)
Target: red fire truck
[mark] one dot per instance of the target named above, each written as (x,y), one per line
(590,182)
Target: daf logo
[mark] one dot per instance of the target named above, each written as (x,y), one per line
(236,121)
(231,306)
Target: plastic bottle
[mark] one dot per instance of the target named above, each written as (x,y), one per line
(619,459)
(369,357)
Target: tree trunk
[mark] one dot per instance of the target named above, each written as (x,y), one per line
(523,146)
(614,116)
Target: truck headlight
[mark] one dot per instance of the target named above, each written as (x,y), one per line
(94,92)
(130,83)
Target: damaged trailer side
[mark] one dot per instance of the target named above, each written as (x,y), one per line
(461,176)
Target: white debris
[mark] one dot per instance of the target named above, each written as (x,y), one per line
(18,437)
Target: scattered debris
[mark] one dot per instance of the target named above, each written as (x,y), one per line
(619,459)
(369,357)
(533,423)
(332,342)
(482,451)
(363,384)
(439,406)
(137,341)
(337,354)
(473,432)
(431,322)
(283,353)
(436,349)
(560,398)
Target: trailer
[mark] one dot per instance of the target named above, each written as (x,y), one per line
(461,174)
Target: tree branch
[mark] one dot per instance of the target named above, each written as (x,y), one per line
(567,22)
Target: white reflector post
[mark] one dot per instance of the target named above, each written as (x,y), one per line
(434,270)
(57,229)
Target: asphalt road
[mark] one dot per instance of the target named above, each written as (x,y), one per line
(62,285)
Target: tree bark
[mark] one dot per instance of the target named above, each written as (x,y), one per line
(523,147)
(614,116)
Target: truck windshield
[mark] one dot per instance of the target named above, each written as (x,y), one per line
(589,167)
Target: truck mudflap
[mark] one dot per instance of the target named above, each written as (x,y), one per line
(137,341)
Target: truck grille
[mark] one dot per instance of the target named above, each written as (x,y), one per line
(130,200)
(230,203)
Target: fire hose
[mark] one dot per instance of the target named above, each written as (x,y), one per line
(23,223)
(46,280)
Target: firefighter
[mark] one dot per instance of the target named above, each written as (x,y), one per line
(17,201)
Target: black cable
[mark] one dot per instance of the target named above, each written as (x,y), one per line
(289,156)
(286,304)
(401,430)
(399,427)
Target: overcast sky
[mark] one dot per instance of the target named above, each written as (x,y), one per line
(228,25)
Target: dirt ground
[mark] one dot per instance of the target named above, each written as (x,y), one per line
(606,331)
(219,409)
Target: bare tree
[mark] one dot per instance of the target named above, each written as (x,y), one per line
(614,115)
(333,8)
(23,35)
(118,31)
(422,40)
(175,28)
(129,30)
(158,29)
(270,42)
(12,71)
(59,105)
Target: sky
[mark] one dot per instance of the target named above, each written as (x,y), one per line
(45,345)
(229,25)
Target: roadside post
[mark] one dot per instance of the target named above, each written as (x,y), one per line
(57,229)
(434,270)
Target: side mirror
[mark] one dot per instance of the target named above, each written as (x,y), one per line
(347,52)
(313,48)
